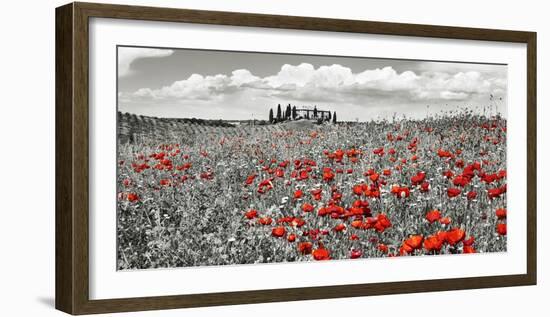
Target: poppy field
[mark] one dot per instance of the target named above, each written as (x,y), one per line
(302,191)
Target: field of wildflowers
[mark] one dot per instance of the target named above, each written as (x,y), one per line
(302,192)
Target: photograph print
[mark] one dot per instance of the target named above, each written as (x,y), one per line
(233,158)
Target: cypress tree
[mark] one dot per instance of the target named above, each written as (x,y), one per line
(294,113)
(270,115)
(315,111)
(334,117)
(288,112)
(279,114)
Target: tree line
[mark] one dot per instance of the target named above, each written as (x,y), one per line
(292,113)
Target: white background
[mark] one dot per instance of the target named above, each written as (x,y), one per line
(106,282)
(27,157)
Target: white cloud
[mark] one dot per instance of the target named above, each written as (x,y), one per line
(291,75)
(387,79)
(332,83)
(451,95)
(196,87)
(242,77)
(127,55)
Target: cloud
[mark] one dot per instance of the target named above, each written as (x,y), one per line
(243,77)
(333,83)
(196,87)
(127,55)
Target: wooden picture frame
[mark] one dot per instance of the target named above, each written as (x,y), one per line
(72,157)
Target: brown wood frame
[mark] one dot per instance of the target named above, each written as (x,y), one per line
(72,276)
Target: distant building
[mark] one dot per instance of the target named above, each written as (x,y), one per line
(294,113)
(313,113)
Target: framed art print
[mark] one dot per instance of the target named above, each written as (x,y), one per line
(212,158)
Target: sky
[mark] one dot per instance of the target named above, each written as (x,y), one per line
(208,84)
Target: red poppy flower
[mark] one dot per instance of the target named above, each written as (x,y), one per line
(489,178)
(305,247)
(471,195)
(357,224)
(383,248)
(433,243)
(469,172)
(321,254)
(354,211)
(442,235)
(328,175)
(415,242)
(453,192)
(379,151)
(383,221)
(298,222)
(340,227)
(187,166)
(418,178)
(358,190)
(354,237)
(496,192)
(405,249)
(433,216)
(374,193)
(207,175)
(323,211)
(454,236)
(316,193)
(501,229)
(445,220)
(425,187)
(291,237)
(448,174)
(469,241)
(461,180)
(132,197)
(285,219)
(336,196)
(251,214)
(249,179)
(278,232)
(441,153)
(298,194)
(265,221)
(164,182)
(374,177)
(371,221)
(279,172)
(400,192)
(356,254)
(166,162)
(501,213)
(307,207)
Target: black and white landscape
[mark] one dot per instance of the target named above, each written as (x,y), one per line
(242,158)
